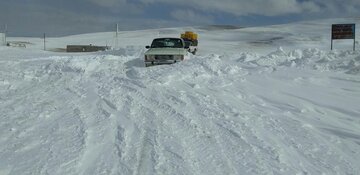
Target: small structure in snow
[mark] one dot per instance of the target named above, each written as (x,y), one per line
(85,48)
(17,44)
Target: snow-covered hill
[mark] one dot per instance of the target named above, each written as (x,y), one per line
(266,100)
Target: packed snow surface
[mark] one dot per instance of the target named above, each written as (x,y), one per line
(266,100)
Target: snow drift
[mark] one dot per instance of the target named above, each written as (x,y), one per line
(255,109)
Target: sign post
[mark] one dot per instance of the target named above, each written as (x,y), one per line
(44,41)
(5,31)
(342,31)
(117,37)
(354,38)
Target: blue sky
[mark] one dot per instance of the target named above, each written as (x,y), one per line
(64,17)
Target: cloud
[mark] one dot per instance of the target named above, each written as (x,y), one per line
(109,3)
(245,7)
(34,20)
(30,20)
(29,17)
(339,7)
(267,7)
(191,17)
(118,6)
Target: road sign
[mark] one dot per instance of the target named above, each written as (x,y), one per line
(342,31)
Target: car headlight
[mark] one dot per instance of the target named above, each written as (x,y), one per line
(149,57)
(178,57)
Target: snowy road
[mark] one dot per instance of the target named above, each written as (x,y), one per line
(286,112)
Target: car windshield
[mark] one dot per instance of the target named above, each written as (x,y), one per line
(167,42)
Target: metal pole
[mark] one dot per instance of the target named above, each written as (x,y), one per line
(354,37)
(331,44)
(117,35)
(5,42)
(332,36)
(44,41)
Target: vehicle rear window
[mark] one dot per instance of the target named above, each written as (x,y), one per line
(167,42)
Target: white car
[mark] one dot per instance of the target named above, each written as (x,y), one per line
(165,51)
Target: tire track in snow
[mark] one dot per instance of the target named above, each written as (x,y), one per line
(146,159)
(151,104)
(190,136)
(205,122)
(241,146)
(119,131)
(197,164)
(101,134)
(140,137)
(145,154)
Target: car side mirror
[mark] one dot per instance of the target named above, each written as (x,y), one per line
(148,47)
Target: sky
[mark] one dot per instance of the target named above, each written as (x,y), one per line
(66,17)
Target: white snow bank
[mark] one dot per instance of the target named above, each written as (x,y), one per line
(228,110)
(344,61)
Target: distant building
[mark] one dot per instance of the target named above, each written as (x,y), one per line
(85,48)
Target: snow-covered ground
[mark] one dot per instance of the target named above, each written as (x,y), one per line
(265,100)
